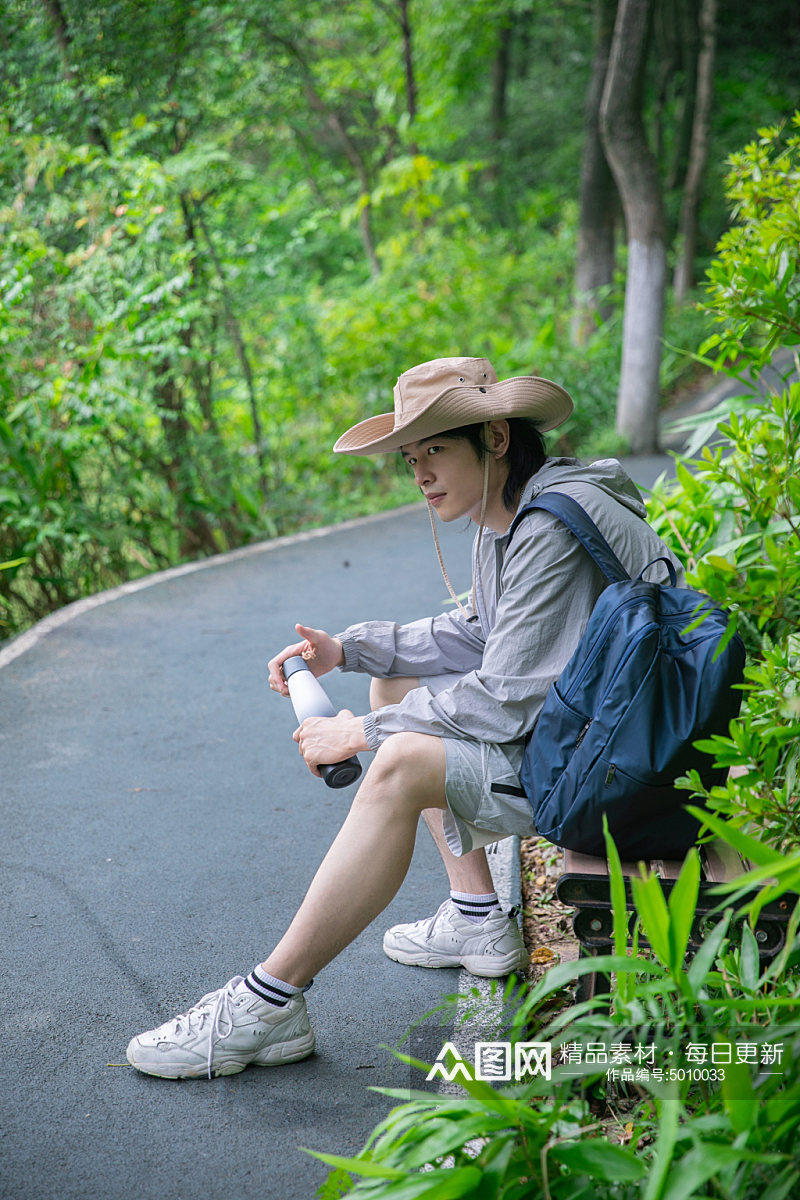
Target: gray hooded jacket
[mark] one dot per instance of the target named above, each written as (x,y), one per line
(533,604)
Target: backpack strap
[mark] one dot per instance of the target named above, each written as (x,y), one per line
(578,521)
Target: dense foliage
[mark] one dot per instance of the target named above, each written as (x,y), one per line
(736,516)
(663,1132)
(225,229)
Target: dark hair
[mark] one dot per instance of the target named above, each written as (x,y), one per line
(526,452)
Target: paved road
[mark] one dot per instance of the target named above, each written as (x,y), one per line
(158,832)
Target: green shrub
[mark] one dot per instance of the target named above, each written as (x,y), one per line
(734,514)
(729,1132)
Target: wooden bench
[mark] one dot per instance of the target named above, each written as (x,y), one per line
(584,885)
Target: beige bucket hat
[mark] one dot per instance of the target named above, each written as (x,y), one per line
(448,392)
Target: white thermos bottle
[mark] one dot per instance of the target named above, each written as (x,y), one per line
(310,700)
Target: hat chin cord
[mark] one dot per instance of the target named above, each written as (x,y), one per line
(476,566)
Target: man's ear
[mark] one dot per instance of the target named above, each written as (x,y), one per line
(499,437)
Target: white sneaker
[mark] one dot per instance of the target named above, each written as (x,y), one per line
(448,939)
(222,1033)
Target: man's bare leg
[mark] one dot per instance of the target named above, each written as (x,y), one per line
(369,858)
(470,872)
(263,1019)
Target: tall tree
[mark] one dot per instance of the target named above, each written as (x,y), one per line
(689,42)
(636,171)
(408,61)
(500,71)
(698,153)
(594,270)
(72,74)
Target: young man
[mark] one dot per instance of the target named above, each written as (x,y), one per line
(452,699)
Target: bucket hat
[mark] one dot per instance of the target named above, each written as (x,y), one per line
(446,393)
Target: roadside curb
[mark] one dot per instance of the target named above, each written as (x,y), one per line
(62,616)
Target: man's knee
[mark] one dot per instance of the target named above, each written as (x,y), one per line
(389,691)
(411,765)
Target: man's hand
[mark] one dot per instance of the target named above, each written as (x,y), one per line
(330,740)
(321,651)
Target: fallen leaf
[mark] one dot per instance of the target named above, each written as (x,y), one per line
(542,954)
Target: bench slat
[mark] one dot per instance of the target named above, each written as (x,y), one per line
(576,863)
(723,862)
(720,862)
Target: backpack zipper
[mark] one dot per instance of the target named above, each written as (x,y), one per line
(643,633)
(598,641)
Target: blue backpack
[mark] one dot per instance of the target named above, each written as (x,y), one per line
(618,725)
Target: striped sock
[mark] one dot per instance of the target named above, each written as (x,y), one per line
(475,908)
(267,987)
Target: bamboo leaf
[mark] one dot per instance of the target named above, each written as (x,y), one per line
(704,959)
(652,908)
(703,1162)
(682,907)
(618,898)
(600,1160)
(748,960)
(669,1112)
(359,1166)
(747,846)
(739,1097)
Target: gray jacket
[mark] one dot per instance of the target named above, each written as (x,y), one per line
(532,603)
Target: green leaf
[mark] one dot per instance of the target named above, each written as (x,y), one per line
(443,1183)
(452,1135)
(748,847)
(600,1160)
(689,1173)
(359,1166)
(669,1113)
(704,960)
(682,906)
(619,902)
(496,1159)
(739,1097)
(748,960)
(652,908)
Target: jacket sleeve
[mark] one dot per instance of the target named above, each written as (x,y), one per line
(549,587)
(431,646)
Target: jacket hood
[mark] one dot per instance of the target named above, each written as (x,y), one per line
(606,474)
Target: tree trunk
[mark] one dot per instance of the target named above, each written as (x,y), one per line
(408,60)
(500,72)
(665,35)
(698,155)
(357,162)
(594,268)
(236,336)
(354,156)
(688,19)
(636,172)
(65,50)
(196,535)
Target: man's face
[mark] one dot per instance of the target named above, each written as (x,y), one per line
(448,474)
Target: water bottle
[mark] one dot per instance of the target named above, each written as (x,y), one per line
(309,699)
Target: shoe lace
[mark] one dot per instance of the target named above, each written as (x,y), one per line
(431,924)
(218,1006)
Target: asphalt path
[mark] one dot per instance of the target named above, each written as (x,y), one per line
(159,831)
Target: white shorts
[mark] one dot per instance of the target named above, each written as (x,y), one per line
(477,812)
